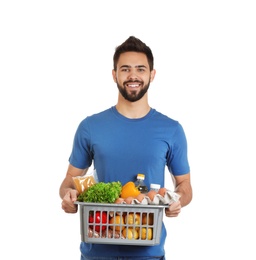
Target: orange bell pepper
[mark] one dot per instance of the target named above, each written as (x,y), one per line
(129,190)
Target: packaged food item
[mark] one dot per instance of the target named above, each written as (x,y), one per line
(155,187)
(82,183)
(139,183)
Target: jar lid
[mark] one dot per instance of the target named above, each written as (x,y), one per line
(155,186)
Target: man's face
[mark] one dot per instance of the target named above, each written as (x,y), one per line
(133,75)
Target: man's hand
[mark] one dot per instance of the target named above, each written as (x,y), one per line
(68,201)
(173,210)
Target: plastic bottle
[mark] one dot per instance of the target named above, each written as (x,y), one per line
(140,183)
(155,187)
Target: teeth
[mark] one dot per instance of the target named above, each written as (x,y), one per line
(133,86)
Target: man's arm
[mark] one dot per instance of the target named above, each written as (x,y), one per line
(184,189)
(67,190)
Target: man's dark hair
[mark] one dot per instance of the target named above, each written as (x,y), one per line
(134,44)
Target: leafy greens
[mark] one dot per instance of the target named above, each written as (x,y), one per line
(102,192)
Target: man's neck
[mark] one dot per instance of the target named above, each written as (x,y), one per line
(133,110)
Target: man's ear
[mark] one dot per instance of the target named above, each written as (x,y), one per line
(152,75)
(114,75)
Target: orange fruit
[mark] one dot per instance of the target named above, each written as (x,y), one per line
(147,218)
(118,221)
(130,233)
(132,219)
(146,233)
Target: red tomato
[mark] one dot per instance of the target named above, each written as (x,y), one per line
(100,217)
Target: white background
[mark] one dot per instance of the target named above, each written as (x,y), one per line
(55,69)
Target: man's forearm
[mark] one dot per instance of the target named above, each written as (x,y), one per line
(184,189)
(66,185)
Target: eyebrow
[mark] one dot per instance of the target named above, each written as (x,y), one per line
(137,66)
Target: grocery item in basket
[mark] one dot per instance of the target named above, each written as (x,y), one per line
(117,220)
(112,234)
(162,191)
(139,183)
(82,183)
(129,200)
(155,187)
(100,217)
(130,233)
(140,197)
(133,219)
(129,190)
(147,219)
(119,201)
(146,233)
(153,198)
(102,192)
(151,194)
(108,233)
(126,225)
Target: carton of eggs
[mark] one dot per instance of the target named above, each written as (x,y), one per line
(162,197)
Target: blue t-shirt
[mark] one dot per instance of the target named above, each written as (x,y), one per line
(119,148)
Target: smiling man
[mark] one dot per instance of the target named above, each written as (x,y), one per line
(126,139)
(133,80)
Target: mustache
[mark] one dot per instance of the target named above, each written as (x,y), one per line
(133,81)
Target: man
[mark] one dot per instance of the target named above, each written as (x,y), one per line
(126,139)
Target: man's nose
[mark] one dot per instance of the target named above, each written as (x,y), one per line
(132,75)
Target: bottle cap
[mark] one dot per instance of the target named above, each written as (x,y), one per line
(155,186)
(140,176)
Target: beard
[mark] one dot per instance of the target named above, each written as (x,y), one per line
(135,95)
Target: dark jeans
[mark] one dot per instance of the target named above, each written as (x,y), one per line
(124,258)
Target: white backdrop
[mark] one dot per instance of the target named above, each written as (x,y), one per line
(55,69)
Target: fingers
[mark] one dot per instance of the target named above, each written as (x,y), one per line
(69,208)
(173,210)
(73,195)
(68,202)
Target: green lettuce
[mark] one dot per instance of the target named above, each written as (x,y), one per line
(102,192)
